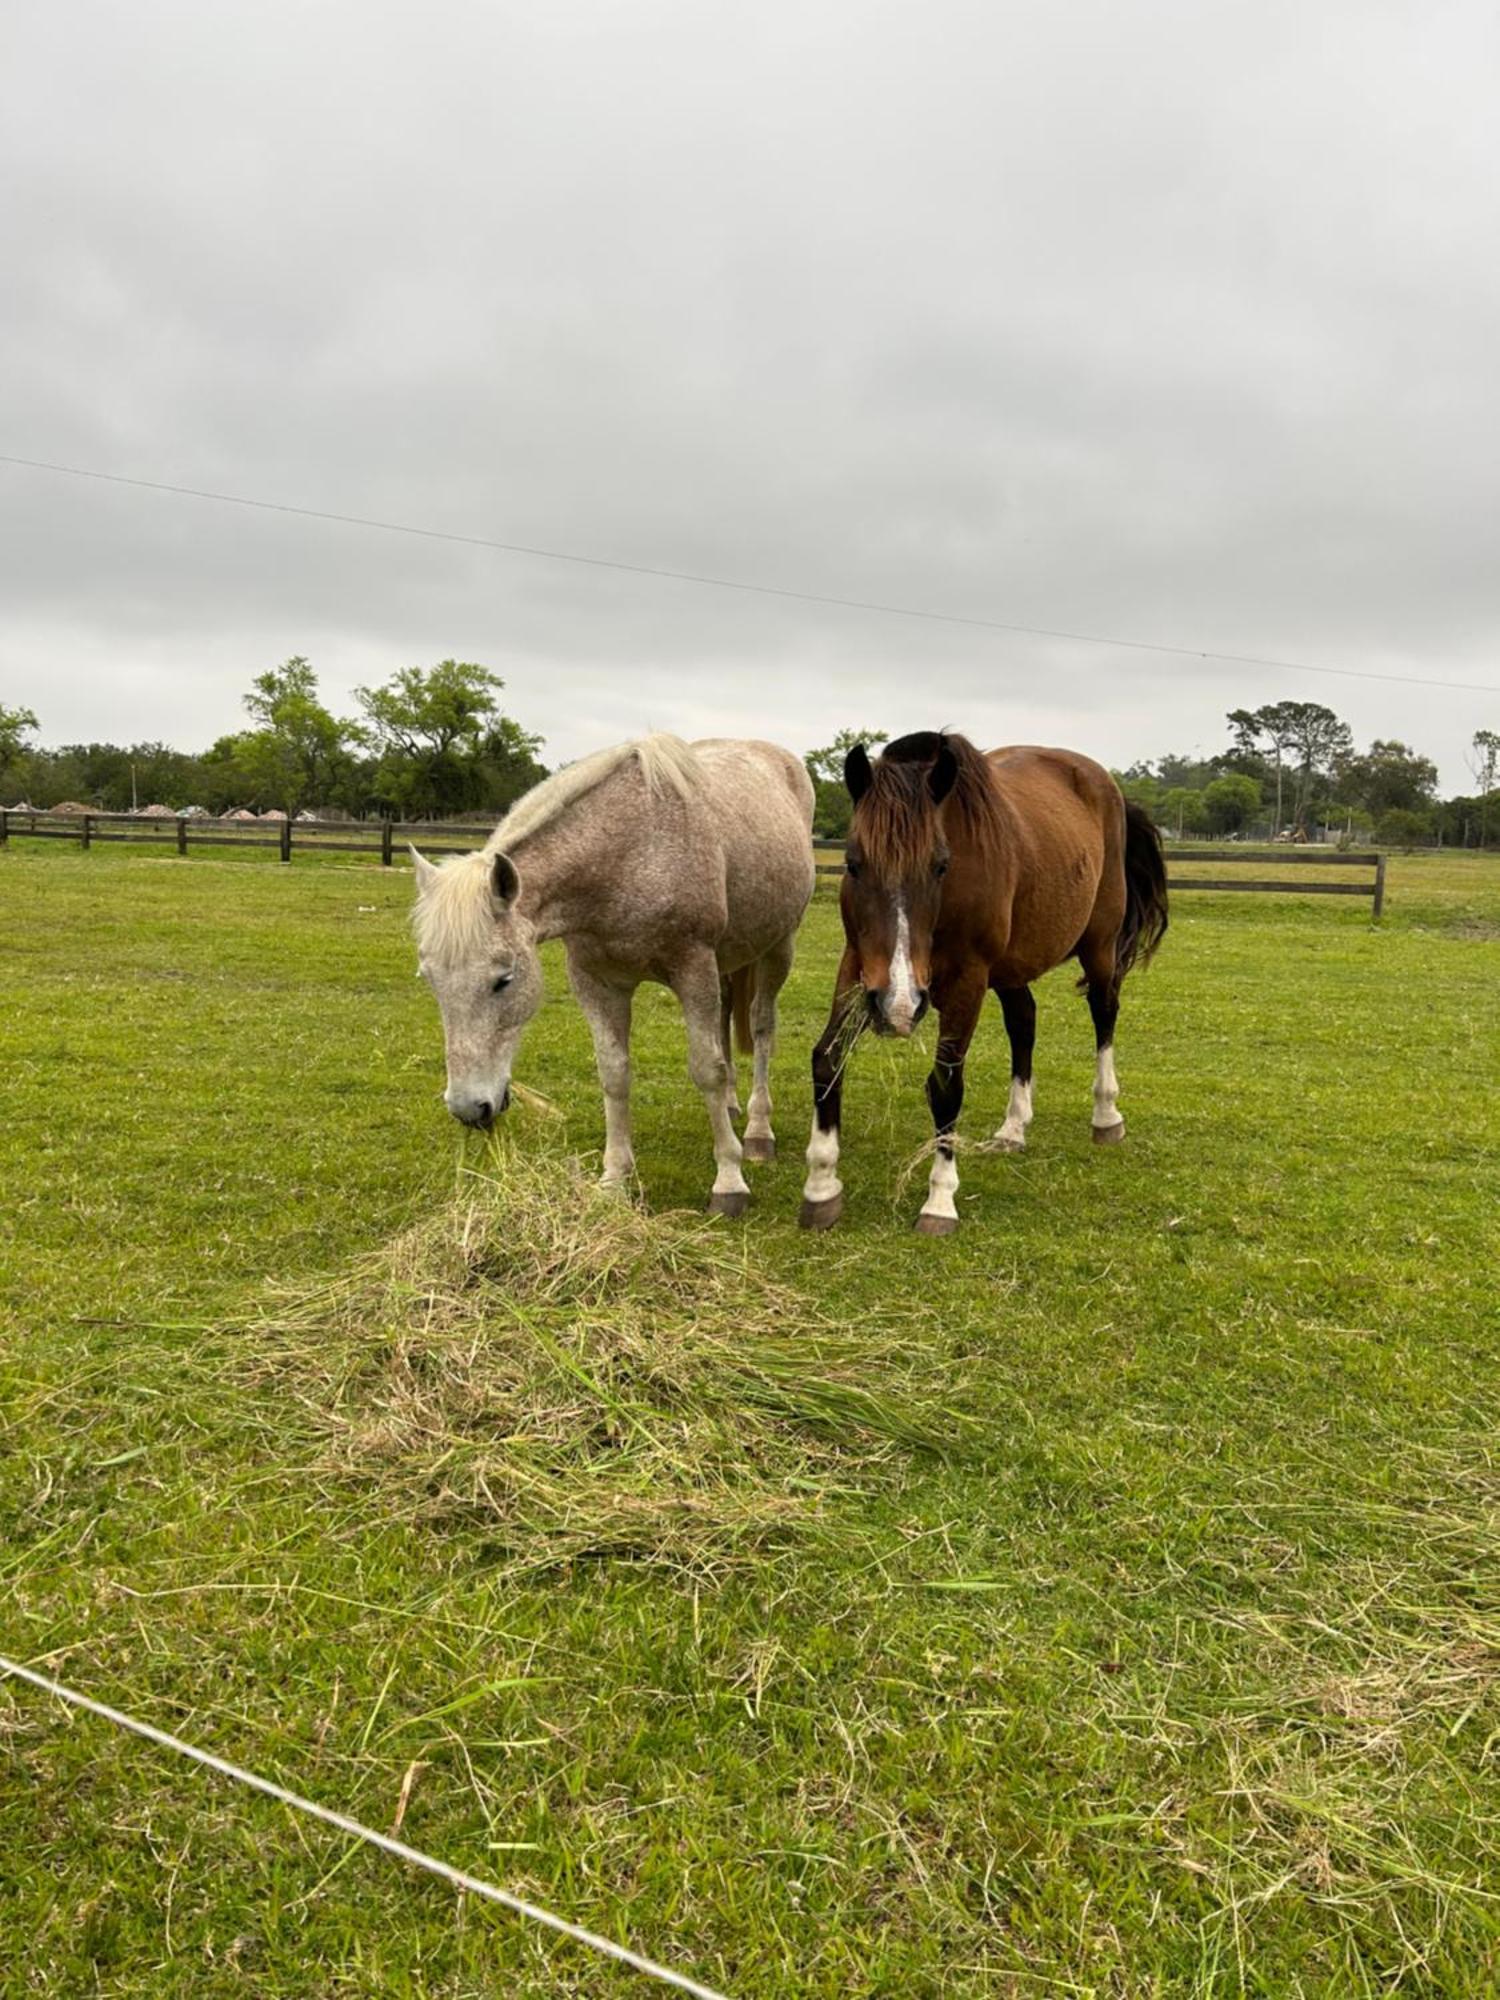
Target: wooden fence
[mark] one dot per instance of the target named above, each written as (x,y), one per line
(376,838)
(1280,857)
(831,862)
(381,838)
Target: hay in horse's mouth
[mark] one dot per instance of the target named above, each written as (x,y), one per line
(579,1378)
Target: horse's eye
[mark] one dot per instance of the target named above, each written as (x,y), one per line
(501,981)
(940,869)
(851,866)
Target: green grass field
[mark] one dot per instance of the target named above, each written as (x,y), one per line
(1137,1634)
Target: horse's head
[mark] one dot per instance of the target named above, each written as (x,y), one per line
(478,954)
(895,862)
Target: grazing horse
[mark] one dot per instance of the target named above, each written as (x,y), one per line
(966,874)
(655,860)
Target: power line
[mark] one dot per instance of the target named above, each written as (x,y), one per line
(736,583)
(387,1842)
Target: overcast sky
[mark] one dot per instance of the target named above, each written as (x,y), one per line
(1159,321)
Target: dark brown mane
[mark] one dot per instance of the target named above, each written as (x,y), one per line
(896,821)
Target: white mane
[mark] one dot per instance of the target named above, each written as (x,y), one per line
(453,918)
(665,761)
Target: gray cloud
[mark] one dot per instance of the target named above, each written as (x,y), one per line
(1150,320)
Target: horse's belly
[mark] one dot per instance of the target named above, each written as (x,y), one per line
(1043,936)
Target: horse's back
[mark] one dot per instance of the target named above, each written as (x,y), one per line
(742,768)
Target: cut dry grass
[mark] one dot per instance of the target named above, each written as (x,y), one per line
(583,1378)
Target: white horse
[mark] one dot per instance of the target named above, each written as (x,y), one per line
(655,860)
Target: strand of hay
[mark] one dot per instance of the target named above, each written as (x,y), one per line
(583,1379)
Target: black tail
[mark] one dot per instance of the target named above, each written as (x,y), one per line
(1145,922)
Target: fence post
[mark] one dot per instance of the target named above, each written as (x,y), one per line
(4,826)
(385,843)
(88,829)
(1379,908)
(286,840)
(181,834)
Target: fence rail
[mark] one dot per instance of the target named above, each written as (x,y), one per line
(830,860)
(377,838)
(381,838)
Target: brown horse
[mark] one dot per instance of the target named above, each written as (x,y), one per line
(965,874)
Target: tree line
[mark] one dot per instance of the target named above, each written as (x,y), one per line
(431,742)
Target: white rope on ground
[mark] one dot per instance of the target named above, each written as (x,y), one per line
(399,1848)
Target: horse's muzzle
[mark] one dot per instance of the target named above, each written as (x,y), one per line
(479,1113)
(900,1022)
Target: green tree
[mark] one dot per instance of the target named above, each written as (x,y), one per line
(430,726)
(1183,809)
(301,755)
(1320,745)
(1390,776)
(508,763)
(1181,772)
(1400,828)
(1262,739)
(1484,762)
(1142,787)
(1230,802)
(831,803)
(16,724)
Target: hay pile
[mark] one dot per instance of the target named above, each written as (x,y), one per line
(583,1379)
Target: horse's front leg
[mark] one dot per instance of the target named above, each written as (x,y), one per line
(606,1008)
(823,1194)
(957,1018)
(696,984)
(769,978)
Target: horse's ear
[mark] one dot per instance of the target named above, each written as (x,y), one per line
(504,881)
(944,774)
(857,773)
(426,873)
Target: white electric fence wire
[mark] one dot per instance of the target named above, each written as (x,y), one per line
(736,583)
(399,1848)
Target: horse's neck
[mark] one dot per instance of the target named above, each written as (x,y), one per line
(559,867)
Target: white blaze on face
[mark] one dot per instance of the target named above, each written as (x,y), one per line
(901,997)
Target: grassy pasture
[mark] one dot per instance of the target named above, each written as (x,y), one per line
(1172,1669)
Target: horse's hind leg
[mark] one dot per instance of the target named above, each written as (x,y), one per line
(1102,983)
(770,977)
(695,981)
(726,1023)
(1019,1009)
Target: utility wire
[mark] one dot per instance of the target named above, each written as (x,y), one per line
(736,583)
(385,1841)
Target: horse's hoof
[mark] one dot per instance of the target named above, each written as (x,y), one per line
(758,1149)
(732,1203)
(821,1214)
(1004,1145)
(936,1225)
(1109,1135)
